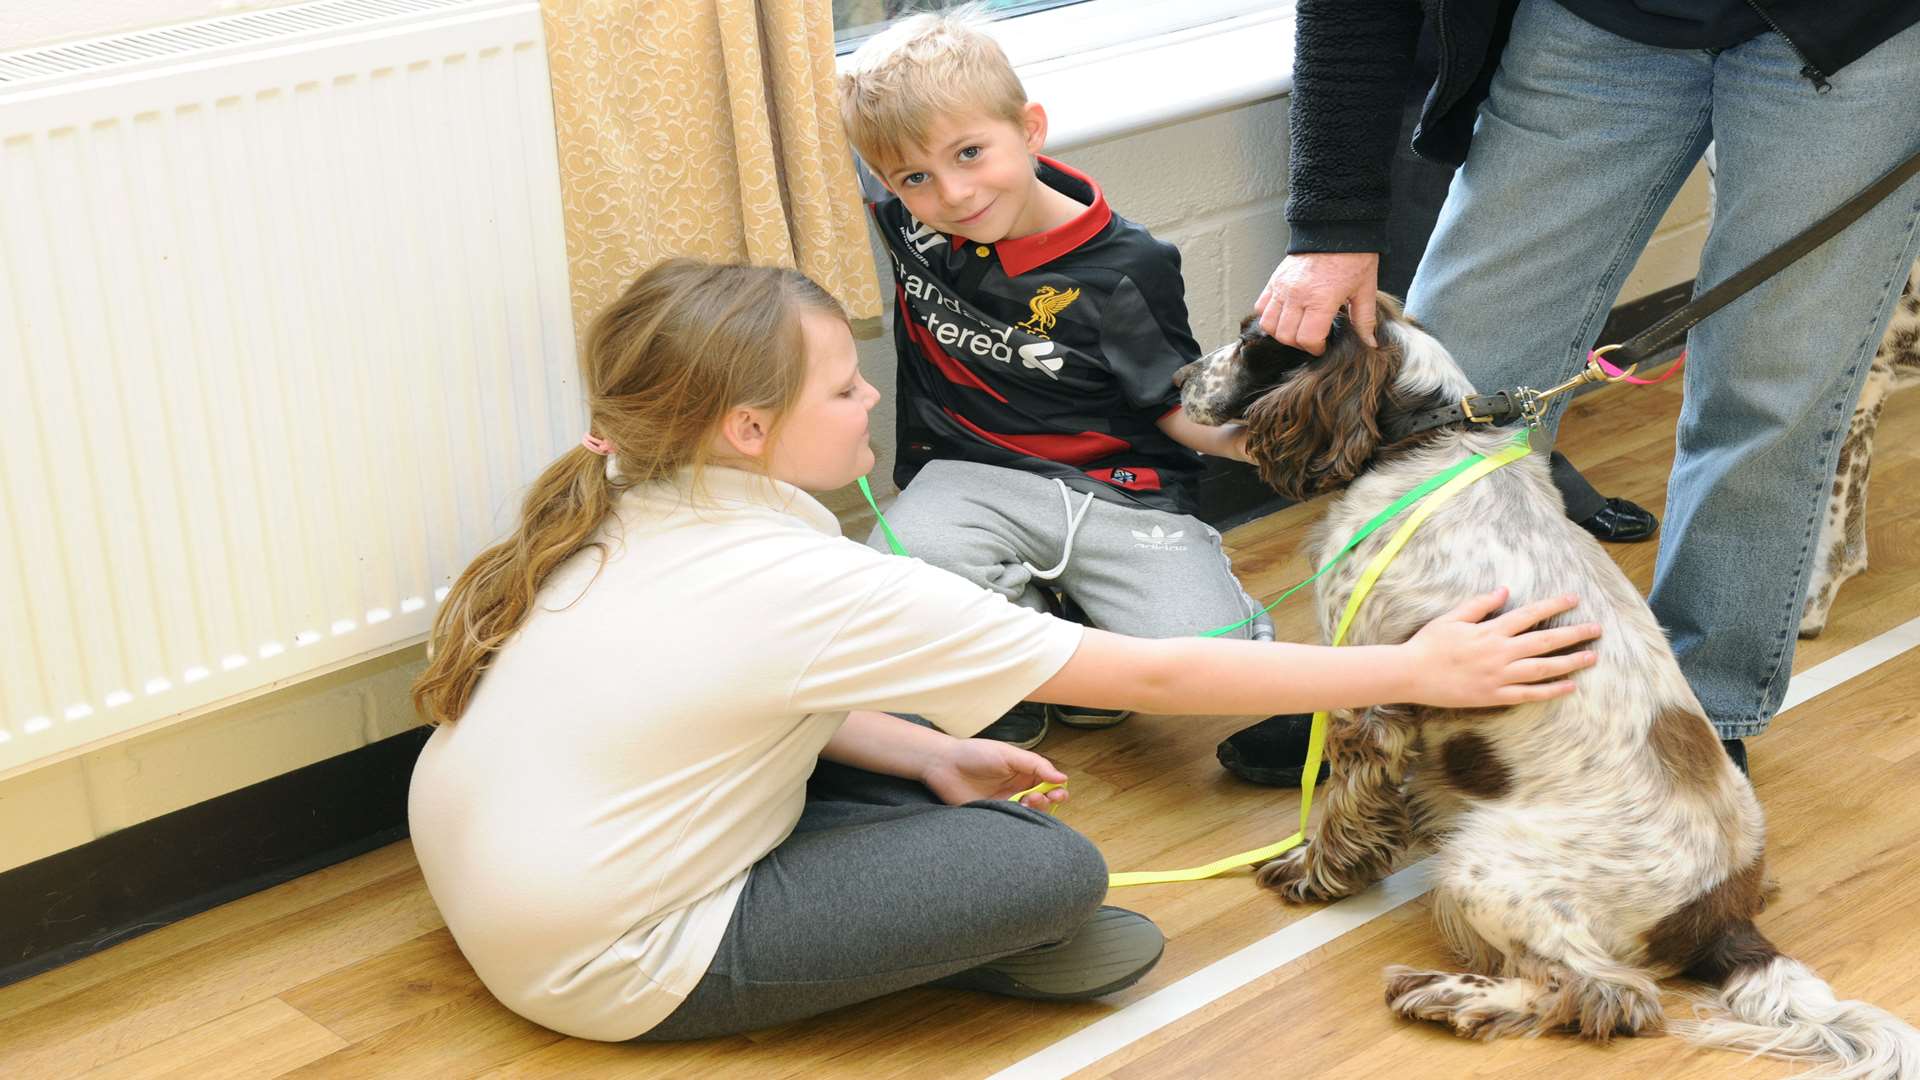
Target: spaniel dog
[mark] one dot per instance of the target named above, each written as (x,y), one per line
(1842,551)
(1584,847)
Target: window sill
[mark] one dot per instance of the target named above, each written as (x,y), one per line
(1101,94)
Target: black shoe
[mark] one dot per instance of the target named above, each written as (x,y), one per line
(1077,716)
(1024,725)
(1737,750)
(1621,522)
(1271,752)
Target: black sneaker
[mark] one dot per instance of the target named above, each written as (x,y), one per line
(1111,952)
(1737,750)
(1024,725)
(1621,522)
(1271,752)
(1079,716)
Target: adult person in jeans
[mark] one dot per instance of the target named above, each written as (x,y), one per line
(1574,123)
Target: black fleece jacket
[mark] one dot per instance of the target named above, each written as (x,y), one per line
(1353,59)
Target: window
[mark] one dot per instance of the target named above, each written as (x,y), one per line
(856,20)
(1036,31)
(1104,67)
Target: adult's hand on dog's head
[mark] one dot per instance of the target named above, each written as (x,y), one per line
(1307,290)
(1464,659)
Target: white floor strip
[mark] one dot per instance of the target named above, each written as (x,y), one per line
(1856,661)
(1222,977)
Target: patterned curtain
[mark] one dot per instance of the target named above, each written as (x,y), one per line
(706,128)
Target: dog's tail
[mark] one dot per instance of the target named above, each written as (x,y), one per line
(1773,1004)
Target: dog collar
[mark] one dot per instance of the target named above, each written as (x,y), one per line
(1493,410)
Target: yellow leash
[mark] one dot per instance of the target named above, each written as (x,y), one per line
(1317,739)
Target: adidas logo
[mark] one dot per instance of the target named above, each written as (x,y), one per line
(1159,539)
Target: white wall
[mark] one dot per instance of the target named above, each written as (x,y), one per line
(1226,218)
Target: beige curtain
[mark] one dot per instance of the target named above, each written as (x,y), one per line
(705,128)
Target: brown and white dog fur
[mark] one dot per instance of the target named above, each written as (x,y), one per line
(1584,847)
(1842,549)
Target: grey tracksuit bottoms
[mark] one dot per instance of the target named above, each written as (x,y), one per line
(882,887)
(1133,570)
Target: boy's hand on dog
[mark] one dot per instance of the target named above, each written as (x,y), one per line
(973,769)
(1461,661)
(1307,290)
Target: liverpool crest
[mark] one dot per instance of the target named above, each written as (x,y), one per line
(1046,306)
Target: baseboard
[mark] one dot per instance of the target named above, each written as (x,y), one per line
(79,901)
(1231,493)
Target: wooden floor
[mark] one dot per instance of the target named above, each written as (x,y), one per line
(349,971)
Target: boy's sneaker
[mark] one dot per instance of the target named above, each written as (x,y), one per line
(1079,716)
(1111,952)
(1024,725)
(1271,752)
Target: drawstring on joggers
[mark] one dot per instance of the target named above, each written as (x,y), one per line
(1073,526)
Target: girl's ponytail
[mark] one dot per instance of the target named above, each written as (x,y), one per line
(663,363)
(491,598)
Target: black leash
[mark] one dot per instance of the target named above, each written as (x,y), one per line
(1523,404)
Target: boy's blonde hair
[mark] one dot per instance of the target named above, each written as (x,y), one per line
(919,69)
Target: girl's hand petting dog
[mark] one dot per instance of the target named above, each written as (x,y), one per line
(1460,661)
(970,769)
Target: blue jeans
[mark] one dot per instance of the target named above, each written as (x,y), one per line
(1581,145)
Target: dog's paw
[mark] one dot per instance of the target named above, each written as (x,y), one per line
(1423,995)
(1403,980)
(1474,1006)
(1292,876)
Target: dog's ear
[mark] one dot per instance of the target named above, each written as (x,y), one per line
(1316,431)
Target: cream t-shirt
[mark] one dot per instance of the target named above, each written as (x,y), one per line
(587,824)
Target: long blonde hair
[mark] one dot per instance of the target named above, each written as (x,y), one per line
(684,344)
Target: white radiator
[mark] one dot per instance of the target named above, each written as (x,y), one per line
(284,330)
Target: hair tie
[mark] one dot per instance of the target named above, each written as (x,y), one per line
(599,446)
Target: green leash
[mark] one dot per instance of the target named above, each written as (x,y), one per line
(892,540)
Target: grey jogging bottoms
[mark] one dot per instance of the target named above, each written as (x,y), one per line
(882,887)
(1133,570)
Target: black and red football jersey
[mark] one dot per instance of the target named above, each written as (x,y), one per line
(1052,353)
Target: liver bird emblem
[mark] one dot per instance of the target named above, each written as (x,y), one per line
(1046,306)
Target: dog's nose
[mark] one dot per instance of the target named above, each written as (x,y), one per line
(1180,376)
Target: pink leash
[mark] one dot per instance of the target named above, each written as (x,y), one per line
(1619,374)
